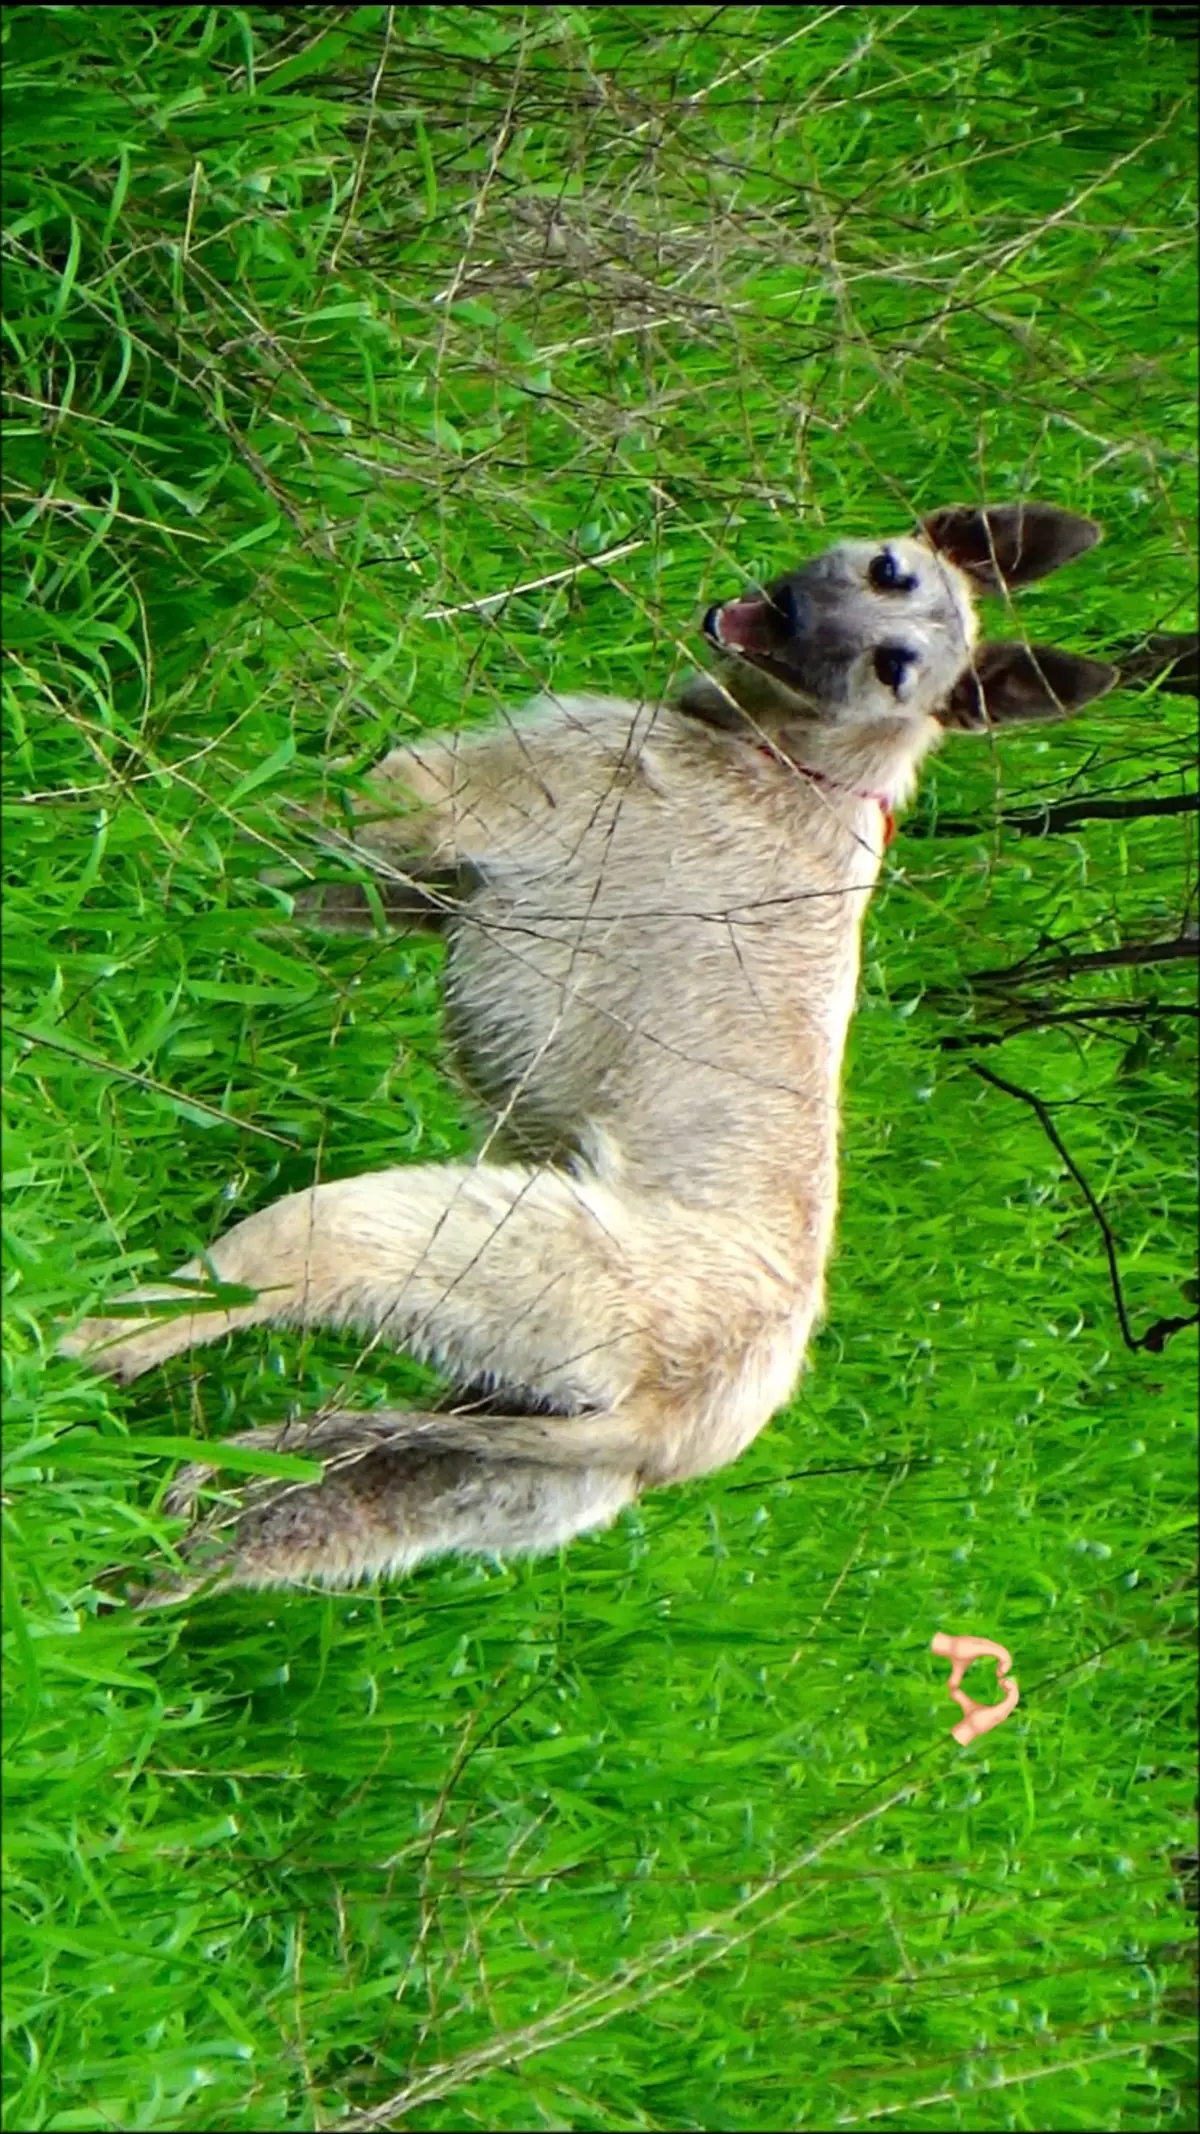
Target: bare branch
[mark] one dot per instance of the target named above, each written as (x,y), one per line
(1126,956)
(1156,1336)
(1136,1011)
(1061,817)
(1169,659)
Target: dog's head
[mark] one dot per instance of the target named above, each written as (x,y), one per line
(875,632)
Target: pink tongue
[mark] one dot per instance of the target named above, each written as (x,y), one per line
(742,625)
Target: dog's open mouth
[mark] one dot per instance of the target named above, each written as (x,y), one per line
(747,626)
(754,629)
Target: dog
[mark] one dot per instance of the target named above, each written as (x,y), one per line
(654,914)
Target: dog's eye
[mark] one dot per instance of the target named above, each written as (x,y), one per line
(886,576)
(892,663)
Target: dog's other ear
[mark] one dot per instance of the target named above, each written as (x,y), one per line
(1009,545)
(1016,685)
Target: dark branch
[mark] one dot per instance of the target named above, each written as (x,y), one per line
(899,1465)
(1138,1011)
(1129,954)
(1057,818)
(1169,658)
(1156,1336)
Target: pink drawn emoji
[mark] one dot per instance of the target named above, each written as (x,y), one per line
(976,1718)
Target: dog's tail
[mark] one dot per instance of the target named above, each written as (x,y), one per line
(397,1488)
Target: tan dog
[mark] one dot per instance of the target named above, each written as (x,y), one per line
(653,964)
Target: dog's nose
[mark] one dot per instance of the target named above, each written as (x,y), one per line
(786,605)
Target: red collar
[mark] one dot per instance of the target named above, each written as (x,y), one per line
(819,778)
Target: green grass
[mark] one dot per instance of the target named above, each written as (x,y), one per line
(322,325)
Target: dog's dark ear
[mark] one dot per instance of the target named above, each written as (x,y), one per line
(1009,545)
(1015,685)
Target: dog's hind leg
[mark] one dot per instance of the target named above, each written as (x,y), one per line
(526,1279)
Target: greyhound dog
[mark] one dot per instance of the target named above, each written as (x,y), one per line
(654,913)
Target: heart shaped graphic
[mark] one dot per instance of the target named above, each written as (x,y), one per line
(977,1719)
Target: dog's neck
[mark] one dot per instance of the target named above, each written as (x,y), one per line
(877,762)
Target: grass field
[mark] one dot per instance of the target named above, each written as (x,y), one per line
(367,369)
